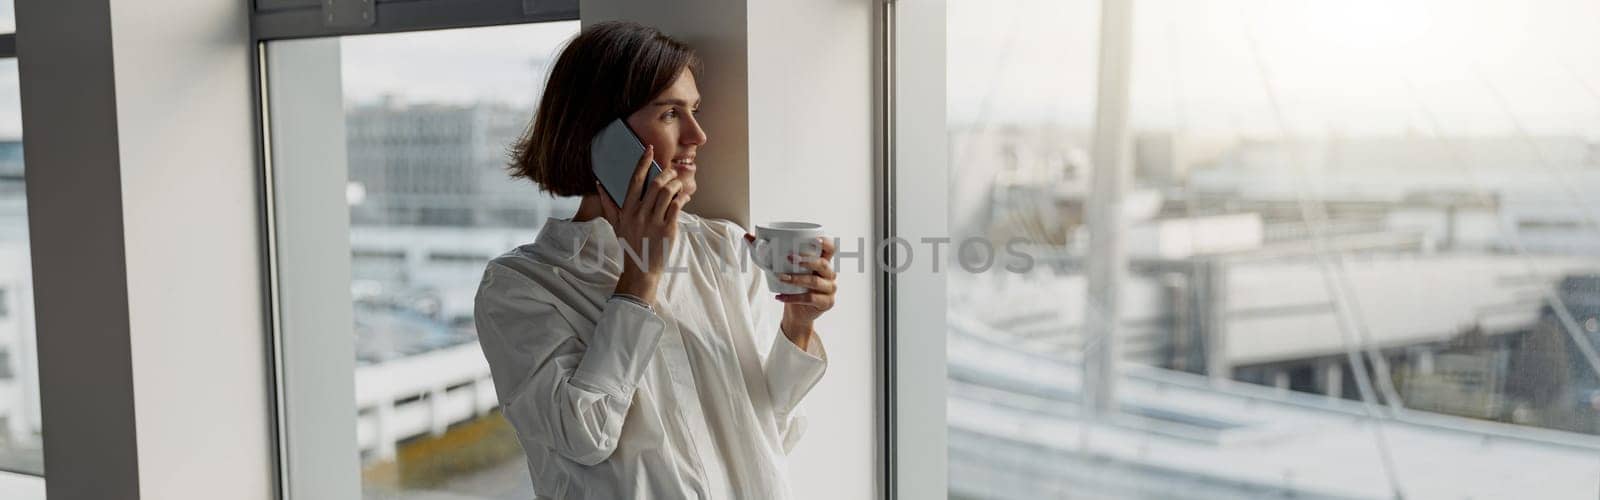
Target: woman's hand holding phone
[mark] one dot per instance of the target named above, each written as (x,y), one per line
(647,223)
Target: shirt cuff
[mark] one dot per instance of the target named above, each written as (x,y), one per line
(623,342)
(791,372)
(632,298)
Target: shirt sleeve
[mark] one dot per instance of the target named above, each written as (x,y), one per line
(555,390)
(791,373)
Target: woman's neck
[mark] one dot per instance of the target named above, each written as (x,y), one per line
(589,208)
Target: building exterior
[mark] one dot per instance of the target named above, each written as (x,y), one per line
(439,165)
(20,422)
(1018,431)
(1434,265)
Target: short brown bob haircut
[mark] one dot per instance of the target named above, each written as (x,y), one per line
(607,72)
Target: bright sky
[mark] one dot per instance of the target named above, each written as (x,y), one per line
(497,64)
(1335,64)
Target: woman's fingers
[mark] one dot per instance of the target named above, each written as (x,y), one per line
(827,247)
(822,267)
(641,170)
(665,197)
(677,206)
(821,301)
(652,195)
(811,282)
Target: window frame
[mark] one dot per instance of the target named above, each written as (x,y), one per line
(287,19)
(308,428)
(911,207)
(904,113)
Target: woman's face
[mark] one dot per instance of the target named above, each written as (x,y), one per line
(669,123)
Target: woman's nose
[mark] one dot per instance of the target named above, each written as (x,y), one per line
(695,135)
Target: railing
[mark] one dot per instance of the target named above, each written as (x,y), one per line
(421,394)
(1299,231)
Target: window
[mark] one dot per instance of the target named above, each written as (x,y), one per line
(1319,249)
(427,119)
(21,442)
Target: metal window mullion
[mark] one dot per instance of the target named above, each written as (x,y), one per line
(311,20)
(885,306)
(272,5)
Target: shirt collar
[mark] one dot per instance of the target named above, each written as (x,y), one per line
(592,241)
(566,239)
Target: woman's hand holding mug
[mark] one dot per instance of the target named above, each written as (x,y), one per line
(647,224)
(805,280)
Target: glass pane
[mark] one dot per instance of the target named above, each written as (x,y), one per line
(1353,250)
(429,118)
(8,17)
(21,445)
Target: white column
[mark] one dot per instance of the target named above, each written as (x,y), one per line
(1333,380)
(1214,310)
(480,405)
(1107,259)
(1424,363)
(191,209)
(383,417)
(438,421)
(142,181)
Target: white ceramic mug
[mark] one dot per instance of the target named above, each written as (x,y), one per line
(775,241)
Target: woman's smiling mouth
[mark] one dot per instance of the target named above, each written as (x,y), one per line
(685,164)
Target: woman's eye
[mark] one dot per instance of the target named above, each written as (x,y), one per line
(696,112)
(670,115)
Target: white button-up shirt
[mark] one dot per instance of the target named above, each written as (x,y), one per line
(694,398)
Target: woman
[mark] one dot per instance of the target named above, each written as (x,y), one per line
(623,378)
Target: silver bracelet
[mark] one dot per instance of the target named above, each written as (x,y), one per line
(632,298)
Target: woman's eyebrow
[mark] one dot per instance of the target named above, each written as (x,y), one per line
(671,102)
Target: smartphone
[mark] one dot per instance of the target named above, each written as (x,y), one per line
(614,154)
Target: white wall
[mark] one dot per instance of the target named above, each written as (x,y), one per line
(788,88)
(812,153)
(188,168)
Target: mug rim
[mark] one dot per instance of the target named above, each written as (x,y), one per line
(789,226)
